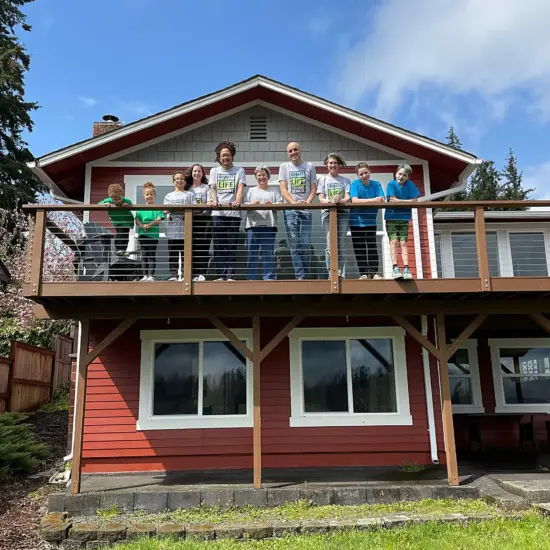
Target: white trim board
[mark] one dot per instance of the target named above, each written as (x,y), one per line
(477,397)
(244,164)
(147,421)
(258,81)
(299,418)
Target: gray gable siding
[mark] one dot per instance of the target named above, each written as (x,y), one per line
(198,145)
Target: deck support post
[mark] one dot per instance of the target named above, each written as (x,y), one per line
(446,406)
(85,357)
(442,353)
(481,245)
(37,240)
(257,418)
(187,267)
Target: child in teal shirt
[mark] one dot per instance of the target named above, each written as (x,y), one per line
(121,217)
(149,232)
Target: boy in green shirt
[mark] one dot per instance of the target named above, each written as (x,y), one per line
(148,232)
(122,219)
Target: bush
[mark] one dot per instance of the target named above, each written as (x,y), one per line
(60,400)
(19,451)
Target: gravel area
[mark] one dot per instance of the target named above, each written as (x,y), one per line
(23,501)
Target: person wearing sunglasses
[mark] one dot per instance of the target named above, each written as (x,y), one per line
(298,182)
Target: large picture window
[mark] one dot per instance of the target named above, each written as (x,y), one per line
(348,377)
(464,379)
(194,379)
(521,371)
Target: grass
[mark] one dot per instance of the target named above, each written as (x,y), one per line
(411,467)
(301,510)
(532,531)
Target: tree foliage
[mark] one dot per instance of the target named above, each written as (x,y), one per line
(18,184)
(453,140)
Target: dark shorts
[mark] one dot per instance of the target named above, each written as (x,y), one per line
(398,230)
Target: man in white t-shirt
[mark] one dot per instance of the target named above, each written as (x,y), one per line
(298,186)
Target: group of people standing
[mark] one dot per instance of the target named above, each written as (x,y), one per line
(299,184)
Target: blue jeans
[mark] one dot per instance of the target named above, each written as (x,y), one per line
(261,240)
(343,224)
(298,228)
(225,232)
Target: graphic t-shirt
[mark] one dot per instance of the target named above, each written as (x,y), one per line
(262,218)
(175,225)
(201,195)
(225,184)
(406,191)
(332,187)
(298,178)
(148,216)
(121,216)
(364,217)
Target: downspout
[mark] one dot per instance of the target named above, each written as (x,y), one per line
(70,456)
(429,395)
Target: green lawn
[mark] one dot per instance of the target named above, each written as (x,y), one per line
(301,510)
(530,532)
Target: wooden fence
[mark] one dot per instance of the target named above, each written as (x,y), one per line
(31,374)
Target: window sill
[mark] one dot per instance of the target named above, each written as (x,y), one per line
(465,409)
(321,421)
(186,423)
(524,409)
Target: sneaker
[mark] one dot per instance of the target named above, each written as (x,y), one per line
(196,279)
(201,278)
(396,273)
(229,279)
(173,279)
(364,277)
(341,274)
(120,253)
(376,276)
(144,279)
(220,279)
(407,274)
(300,278)
(151,279)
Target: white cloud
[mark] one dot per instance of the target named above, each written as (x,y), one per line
(494,49)
(136,108)
(536,177)
(88,101)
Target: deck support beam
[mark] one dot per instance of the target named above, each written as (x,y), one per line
(85,357)
(541,320)
(257,417)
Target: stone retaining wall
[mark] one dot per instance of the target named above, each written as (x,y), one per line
(58,530)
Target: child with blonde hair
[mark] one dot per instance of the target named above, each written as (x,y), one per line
(120,215)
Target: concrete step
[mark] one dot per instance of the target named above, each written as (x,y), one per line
(491,492)
(535,488)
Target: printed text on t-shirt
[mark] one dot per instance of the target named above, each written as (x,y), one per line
(297,181)
(226,182)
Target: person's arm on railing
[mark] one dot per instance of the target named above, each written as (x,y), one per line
(313,179)
(241,176)
(355,193)
(213,188)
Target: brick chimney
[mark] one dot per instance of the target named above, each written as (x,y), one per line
(110,122)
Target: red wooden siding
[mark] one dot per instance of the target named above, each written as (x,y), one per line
(112,443)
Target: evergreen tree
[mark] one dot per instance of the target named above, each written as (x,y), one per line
(453,140)
(513,179)
(485,183)
(18,184)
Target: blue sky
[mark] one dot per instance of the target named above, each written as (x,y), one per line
(483,66)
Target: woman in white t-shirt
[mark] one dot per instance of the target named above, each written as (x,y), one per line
(175,226)
(335,189)
(261,226)
(227,183)
(197,184)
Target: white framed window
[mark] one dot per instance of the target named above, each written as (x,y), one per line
(521,374)
(194,379)
(464,379)
(349,377)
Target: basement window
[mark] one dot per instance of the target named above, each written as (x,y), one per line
(257,129)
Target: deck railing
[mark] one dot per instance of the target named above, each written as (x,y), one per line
(211,254)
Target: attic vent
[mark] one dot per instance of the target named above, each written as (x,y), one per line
(258,128)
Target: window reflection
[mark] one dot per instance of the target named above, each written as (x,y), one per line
(461,390)
(528,254)
(176,379)
(465,254)
(324,376)
(224,379)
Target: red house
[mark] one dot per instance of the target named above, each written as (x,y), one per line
(325,372)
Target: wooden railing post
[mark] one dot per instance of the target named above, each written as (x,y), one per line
(333,248)
(188,252)
(481,245)
(37,237)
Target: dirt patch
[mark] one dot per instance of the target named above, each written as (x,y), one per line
(23,500)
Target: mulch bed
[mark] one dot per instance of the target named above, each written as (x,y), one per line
(23,500)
